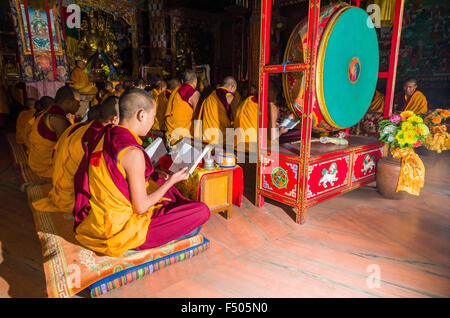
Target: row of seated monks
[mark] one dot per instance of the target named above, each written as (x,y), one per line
(100,172)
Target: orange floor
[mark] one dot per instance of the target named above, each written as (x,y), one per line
(345,244)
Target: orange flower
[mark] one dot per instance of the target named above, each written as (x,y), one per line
(445,113)
(437,120)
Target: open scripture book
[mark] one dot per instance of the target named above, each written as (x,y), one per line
(156,150)
(184,155)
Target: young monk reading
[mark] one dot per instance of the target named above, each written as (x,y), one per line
(118,203)
(23,118)
(47,129)
(68,155)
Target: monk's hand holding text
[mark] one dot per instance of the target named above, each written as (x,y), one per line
(180,175)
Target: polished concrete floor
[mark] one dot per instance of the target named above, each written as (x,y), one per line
(354,245)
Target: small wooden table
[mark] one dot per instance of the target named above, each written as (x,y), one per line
(219,189)
(216,192)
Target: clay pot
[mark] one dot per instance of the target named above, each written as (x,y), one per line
(387,174)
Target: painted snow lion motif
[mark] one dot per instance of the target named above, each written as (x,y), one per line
(329,176)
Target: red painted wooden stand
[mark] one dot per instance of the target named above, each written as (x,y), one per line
(294,174)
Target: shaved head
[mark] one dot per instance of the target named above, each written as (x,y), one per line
(229,81)
(189,76)
(173,83)
(65,93)
(109,108)
(134,100)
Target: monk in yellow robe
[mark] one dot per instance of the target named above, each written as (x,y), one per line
(158,88)
(377,104)
(411,98)
(47,129)
(181,107)
(68,155)
(121,202)
(247,120)
(237,100)
(161,102)
(216,114)
(40,106)
(23,119)
(81,80)
(118,90)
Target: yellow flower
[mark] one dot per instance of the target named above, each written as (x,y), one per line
(406,114)
(410,136)
(422,129)
(407,126)
(415,119)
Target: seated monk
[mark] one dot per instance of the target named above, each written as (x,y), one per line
(121,203)
(118,90)
(247,120)
(68,155)
(81,80)
(127,84)
(377,104)
(48,127)
(161,102)
(158,88)
(180,108)
(237,100)
(215,112)
(411,98)
(23,119)
(40,106)
(140,83)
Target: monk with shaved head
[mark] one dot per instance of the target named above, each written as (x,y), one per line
(48,127)
(216,112)
(181,108)
(121,202)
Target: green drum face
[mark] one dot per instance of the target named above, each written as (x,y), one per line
(346,71)
(347,68)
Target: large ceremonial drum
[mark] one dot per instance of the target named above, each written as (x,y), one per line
(346,70)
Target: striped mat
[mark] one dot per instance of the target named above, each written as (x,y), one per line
(20,163)
(69,268)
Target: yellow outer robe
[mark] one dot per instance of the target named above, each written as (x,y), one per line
(214,119)
(178,115)
(417,103)
(67,158)
(40,156)
(161,102)
(247,119)
(377,104)
(81,82)
(22,127)
(111,226)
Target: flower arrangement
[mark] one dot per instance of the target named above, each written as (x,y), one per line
(403,130)
(437,121)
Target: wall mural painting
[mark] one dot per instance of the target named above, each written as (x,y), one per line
(37,63)
(40,35)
